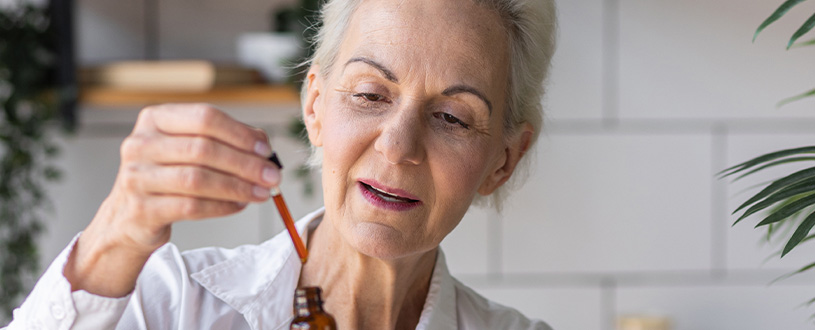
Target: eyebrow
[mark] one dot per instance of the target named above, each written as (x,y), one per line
(456,89)
(385,72)
(449,91)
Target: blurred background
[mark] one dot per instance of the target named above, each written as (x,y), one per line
(622,223)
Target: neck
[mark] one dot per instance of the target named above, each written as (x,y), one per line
(362,292)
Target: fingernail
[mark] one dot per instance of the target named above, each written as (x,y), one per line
(271,175)
(260,192)
(263,149)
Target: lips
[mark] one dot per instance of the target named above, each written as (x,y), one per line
(388,198)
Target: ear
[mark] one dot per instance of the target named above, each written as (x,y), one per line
(313,106)
(505,165)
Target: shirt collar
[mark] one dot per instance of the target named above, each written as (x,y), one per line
(268,274)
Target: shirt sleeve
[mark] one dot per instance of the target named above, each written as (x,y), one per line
(52,305)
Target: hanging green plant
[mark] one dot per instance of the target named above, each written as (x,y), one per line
(787,203)
(28,114)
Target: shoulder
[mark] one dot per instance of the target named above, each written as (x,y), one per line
(477,312)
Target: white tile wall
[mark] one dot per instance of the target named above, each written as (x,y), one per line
(634,202)
(109,30)
(575,84)
(209,28)
(613,202)
(469,247)
(722,307)
(89,167)
(561,308)
(694,59)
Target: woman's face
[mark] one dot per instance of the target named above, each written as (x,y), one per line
(411,122)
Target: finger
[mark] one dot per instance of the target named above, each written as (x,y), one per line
(172,208)
(204,119)
(196,181)
(203,151)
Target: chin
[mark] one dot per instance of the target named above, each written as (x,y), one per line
(382,242)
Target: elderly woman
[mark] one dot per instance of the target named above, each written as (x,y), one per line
(415,109)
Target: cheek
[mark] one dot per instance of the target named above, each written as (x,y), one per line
(459,171)
(345,140)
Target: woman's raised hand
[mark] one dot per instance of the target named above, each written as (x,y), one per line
(181,162)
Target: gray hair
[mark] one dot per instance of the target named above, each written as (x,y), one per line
(531,27)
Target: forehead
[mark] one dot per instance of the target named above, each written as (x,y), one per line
(455,40)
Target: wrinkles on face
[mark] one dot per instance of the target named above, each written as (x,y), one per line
(417,107)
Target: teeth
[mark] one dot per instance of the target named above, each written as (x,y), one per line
(384,193)
(392,199)
(388,196)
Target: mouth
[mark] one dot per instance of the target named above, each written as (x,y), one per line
(393,200)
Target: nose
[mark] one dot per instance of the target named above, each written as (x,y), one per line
(400,140)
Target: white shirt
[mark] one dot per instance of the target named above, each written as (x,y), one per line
(248,287)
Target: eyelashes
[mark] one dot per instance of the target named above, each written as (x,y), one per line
(369,97)
(376,101)
(450,119)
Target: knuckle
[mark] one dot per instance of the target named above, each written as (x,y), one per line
(191,208)
(129,176)
(206,114)
(240,189)
(191,178)
(199,148)
(259,134)
(146,113)
(132,146)
(255,168)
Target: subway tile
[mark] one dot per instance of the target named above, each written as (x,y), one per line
(89,167)
(695,59)
(575,83)
(230,231)
(611,202)
(209,29)
(109,30)
(466,248)
(561,308)
(722,307)
(747,247)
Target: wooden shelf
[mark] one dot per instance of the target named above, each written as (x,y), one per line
(256,94)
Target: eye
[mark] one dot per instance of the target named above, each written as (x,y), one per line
(371,97)
(450,119)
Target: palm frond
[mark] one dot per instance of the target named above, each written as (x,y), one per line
(808,25)
(791,99)
(778,185)
(791,274)
(778,13)
(766,158)
(803,230)
(789,210)
(793,190)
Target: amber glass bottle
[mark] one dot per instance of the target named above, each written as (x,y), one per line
(308,310)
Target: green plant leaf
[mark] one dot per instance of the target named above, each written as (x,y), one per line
(788,210)
(800,233)
(791,99)
(804,43)
(808,25)
(788,275)
(766,158)
(779,184)
(802,187)
(775,163)
(783,9)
